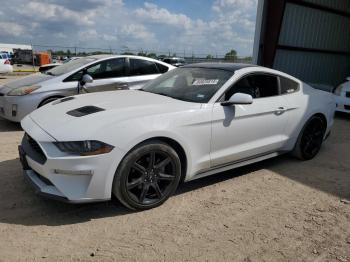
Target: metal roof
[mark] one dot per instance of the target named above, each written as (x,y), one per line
(232,67)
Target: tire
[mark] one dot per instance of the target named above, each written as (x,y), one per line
(48,100)
(147,176)
(310,139)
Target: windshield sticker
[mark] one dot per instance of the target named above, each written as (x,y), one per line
(203,82)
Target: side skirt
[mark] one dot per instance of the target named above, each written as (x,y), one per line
(233,165)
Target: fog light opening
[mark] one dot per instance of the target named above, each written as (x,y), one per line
(14,110)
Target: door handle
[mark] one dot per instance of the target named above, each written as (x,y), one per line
(121,86)
(280,110)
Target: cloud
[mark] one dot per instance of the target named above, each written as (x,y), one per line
(113,23)
(155,14)
(10,28)
(137,31)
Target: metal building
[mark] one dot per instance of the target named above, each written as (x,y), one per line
(9,48)
(309,39)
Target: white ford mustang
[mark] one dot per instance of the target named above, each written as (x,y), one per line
(194,121)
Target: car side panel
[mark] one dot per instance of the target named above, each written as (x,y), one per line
(302,105)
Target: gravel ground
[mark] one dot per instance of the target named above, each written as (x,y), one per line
(277,210)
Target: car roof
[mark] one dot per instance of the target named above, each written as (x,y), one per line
(232,67)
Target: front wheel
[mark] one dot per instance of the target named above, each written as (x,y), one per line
(147,176)
(310,139)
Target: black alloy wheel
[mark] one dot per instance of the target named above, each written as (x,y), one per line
(310,141)
(147,176)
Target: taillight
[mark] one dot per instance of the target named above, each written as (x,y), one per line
(7,62)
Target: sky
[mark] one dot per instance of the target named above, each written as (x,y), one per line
(177,26)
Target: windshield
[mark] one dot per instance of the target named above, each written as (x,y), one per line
(189,84)
(70,66)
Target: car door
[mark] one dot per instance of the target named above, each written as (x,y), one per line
(141,71)
(240,132)
(108,75)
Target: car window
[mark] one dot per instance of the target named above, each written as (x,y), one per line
(142,67)
(102,70)
(288,86)
(258,86)
(162,68)
(189,84)
(71,66)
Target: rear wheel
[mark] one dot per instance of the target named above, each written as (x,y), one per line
(310,139)
(147,176)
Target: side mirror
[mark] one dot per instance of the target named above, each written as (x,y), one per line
(86,79)
(348,78)
(238,99)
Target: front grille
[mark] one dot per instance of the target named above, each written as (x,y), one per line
(35,146)
(347,94)
(33,150)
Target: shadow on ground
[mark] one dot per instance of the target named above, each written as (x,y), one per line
(8,126)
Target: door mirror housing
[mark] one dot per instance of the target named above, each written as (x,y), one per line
(86,79)
(238,99)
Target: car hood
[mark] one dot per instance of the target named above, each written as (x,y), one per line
(27,81)
(62,118)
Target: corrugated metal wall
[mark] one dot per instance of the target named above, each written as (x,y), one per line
(343,5)
(316,29)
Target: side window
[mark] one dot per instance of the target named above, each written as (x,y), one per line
(162,68)
(258,86)
(288,86)
(142,67)
(105,69)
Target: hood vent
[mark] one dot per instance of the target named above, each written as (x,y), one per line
(84,111)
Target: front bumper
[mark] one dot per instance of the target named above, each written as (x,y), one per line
(15,108)
(72,179)
(343,104)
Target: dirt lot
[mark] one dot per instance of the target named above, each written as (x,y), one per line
(277,210)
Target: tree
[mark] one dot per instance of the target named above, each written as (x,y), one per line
(127,53)
(152,55)
(210,57)
(232,55)
(142,53)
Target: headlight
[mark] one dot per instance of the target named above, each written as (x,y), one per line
(23,90)
(337,91)
(84,148)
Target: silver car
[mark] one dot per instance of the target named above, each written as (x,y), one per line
(20,97)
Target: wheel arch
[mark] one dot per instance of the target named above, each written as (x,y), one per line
(322,116)
(176,146)
(49,97)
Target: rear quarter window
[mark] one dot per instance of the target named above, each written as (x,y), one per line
(288,86)
(142,67)
(162,68)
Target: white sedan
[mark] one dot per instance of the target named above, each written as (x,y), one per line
(109,72)
(342,98)
(191,122)
(5,64)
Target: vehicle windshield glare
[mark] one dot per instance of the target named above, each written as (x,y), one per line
(70,66)
(196,85)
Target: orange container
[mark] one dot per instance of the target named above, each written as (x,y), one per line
(42,58)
